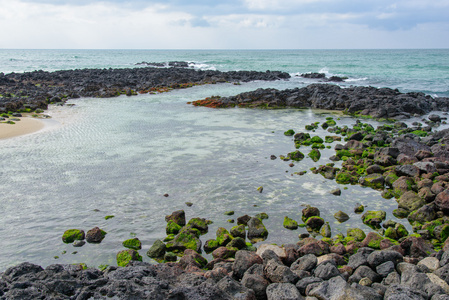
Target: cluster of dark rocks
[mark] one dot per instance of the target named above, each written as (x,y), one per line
(32,90)
(322,77)
(302,271)
(371,101)
(174,64)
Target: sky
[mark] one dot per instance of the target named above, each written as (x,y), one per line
(224,24)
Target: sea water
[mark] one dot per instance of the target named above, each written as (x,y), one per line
(119,156)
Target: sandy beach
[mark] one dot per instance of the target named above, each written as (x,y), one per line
(26,125)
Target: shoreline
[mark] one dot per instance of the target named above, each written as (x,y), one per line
(26,125)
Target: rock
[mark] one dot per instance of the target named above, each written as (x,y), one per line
(172,228)
(235,290)
(243,261)
(425,167)
(416,247)
(223,236)
(253,279)
(438,281)
(72,235)
(341,216)
(305,263)
(443,273)
(185,239)
(199,223)
(124,257)
(410,201)
(302,284)
(285,291)
(326,270)
(224,252)
(402,185)
(385,268)
(310,211)
(407,170)
(372,240)
(191,257)
(434,118)
(442,201)
(178,217)
(315,223)
(238,231)
(336,192)
(374,218)
(256,230)
(157,250)
(290,223)
(338,288)
(95,235)
(364,272)
(375,181)
(377,258)
(356,233)
(398,292)
(311,248)
(279,273)
(424,214)
(132,244)
(280,252)
(359,208)
(243,220)
(210,245)
(365,281)
(431,263)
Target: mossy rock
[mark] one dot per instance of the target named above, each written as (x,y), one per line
(200,224)
(170,256)
(223,236)
(325,230)
(72,235)
(356,233)
(374,181)
(289,132)
(184,240)
(410,201)
(315,223)
(169,237)
(343,152)
(359,208)
(308,212)
(301,136)
(229,213)
(256,230)
(238,231)
(316,139)
(374,218)
(125,256)
(341,216)
(172,228)
(210,245)
(374,240)
(296,155)
(238,243)
(132,244)
(346,178)
(441,232)
(318,146)
(179,217)
(262,216)
(315,155)
(400,213)
(290,223)
(157,250)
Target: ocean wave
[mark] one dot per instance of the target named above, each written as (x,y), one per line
(201,66)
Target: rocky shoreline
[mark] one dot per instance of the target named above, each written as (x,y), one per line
(408,163)
(26,92)
(370,101)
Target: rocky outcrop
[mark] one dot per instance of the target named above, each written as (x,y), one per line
(375,102)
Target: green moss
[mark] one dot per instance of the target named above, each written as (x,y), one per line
(200,224)
(318,146)
(343,152)
(373,218)
(133,244)
(419,133)
(356,233)
(172,228)
(169,237)
(108,217)
(229,213)
(315,155)
(223,236)
(125,256)
(102,267)
(316,139)
(72,235)
(290,223)
(262,216)
(296,155)
(210,246)
(346,178)
(289,132)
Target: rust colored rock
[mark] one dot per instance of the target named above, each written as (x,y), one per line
(312,248)
(442,201)
(416,247)
(223,253)
(95,235)
(338,249)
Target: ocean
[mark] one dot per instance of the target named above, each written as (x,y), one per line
(119,156)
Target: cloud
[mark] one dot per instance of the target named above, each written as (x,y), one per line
(158,24)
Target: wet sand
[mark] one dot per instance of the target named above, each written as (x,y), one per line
(26,125)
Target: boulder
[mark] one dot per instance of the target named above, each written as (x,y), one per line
(442,201)
(95,235)
(285,291)
(256,230)
(410,201)
(243,261)
(178,217)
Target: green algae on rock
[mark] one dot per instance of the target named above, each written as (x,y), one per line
(356,233)
(125,256)
(72,235)
(341,216)
(315,155)
(157,250)
(134,243)
(290,223)
(373,218)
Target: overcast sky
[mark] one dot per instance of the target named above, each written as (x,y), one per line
(224,24)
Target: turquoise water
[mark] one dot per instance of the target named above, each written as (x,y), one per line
(120,156)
